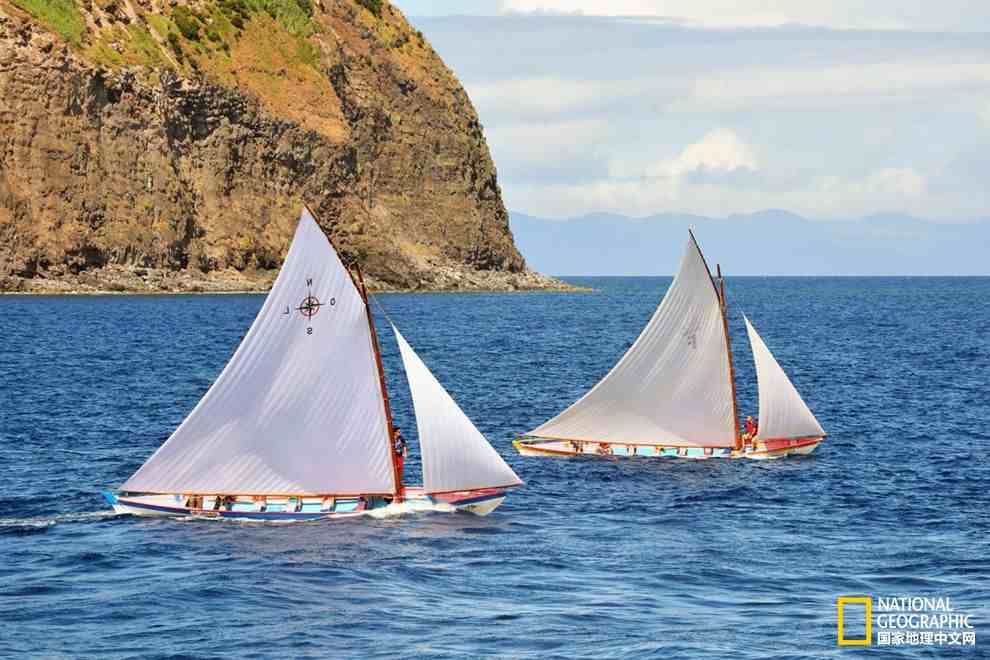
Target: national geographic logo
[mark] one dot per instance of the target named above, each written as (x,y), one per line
(902,621)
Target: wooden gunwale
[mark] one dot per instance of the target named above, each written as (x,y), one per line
(623,443)
(214,493)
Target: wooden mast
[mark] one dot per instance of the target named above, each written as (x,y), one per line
(359,285)
(720,294)
(397,476)
(728,346)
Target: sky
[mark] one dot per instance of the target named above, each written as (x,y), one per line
(832,110)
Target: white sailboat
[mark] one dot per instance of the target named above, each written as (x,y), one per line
(298,425)
(673,393)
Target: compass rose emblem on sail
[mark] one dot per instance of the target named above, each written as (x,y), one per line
(310,306)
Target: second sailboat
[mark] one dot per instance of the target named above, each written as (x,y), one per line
(673,393)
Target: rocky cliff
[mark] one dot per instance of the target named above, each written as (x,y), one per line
(169,145)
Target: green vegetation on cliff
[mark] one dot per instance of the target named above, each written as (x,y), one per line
(60,15)
(185,30)
(374,6)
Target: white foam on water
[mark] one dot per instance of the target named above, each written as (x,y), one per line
(407,507)
(48,521)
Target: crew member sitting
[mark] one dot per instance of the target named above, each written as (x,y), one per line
(751,428)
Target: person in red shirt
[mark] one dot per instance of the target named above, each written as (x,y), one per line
(751,428)
(401,451)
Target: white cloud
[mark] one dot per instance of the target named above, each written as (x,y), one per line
(548,145)
(823,197)
(544,97)
(895,182)
(721,150)
(896,82)
(963,15)
(717,156)
(735,88)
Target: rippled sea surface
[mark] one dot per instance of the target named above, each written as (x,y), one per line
(594,558)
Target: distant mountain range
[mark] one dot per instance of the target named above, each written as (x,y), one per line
(764,243)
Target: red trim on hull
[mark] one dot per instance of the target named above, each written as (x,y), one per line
(771,446)
(536,439)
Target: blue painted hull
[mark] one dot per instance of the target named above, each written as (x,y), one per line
(479,502)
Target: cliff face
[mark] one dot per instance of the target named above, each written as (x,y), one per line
(163,145)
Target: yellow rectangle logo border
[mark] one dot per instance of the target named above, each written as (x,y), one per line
(840,604)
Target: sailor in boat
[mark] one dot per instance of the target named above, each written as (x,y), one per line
(749,436)
(401,451)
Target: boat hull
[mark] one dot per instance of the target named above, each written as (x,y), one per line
(772,449)
(768,450)
(480,502)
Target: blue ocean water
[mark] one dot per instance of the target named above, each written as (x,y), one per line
(594,558)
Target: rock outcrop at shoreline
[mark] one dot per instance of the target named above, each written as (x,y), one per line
(125,279)
(155,145)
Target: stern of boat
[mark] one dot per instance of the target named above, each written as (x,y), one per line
(773,449)
(539,447)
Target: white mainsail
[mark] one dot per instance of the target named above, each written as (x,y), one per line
(299,408)
(783,413)
(456,456)
(672,386)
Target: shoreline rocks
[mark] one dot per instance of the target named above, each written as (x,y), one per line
(151,281)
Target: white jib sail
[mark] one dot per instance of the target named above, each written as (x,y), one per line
(298,409)
(783,413)
(456,456)
(672,386)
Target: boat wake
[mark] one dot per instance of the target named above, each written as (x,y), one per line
(42,522)
(408,507)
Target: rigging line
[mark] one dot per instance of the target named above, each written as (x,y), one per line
(379,305)
(736,307)
(732,298)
